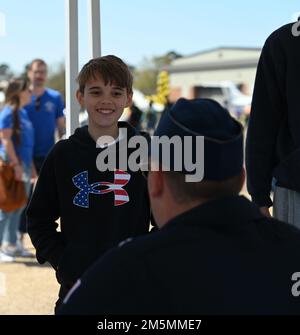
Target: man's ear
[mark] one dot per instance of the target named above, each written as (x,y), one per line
(80,98)
(129,100)
(155,184)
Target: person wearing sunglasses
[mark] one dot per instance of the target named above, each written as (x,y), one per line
(45,111)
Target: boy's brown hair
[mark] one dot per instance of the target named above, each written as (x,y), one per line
(110,68)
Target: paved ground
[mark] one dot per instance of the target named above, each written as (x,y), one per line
(27,287)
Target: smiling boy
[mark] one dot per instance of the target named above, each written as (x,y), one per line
(95,215)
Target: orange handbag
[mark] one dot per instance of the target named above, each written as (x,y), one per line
(12,191)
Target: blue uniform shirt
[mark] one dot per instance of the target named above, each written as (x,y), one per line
(43,113)
(25,149)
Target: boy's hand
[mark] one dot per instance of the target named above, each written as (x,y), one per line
(34,175)
(265,211)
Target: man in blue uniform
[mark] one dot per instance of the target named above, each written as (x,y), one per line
(215,252)
(45,111)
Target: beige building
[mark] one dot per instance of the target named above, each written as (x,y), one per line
(188,75)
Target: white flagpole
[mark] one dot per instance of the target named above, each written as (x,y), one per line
(71,63)
(94,28)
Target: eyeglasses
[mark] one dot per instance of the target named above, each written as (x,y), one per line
(37,104)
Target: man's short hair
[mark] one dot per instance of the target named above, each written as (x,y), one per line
(110,68)
(206,189)
(38,61)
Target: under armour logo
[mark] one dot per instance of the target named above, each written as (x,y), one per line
(81,199)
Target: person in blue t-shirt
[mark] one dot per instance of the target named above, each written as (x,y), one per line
(16,147)
(45,111)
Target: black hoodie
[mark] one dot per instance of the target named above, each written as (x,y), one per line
(273,140)
(90,223)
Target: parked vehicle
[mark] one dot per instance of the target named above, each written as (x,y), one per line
(228,95)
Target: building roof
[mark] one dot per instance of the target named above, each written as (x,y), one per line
(209,66)
(221,48)
(215,59)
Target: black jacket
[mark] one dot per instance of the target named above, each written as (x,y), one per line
(90,223)
(222,257)
(273,141)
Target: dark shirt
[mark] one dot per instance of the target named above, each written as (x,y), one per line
(222,257)
(273,140)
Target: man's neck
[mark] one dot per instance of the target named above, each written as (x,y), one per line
(176,209)
(96,132)
(37,90)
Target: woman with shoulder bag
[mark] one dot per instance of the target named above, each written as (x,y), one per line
(16,148)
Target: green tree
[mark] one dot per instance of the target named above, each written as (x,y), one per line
(166,59)
(24,73)
(5,72)
(145,79)
(56,79)
(145,76)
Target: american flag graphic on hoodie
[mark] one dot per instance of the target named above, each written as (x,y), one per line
(121,197)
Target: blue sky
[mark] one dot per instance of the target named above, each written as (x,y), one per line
(134,29)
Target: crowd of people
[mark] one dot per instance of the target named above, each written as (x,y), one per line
(143,120)
(148,241)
